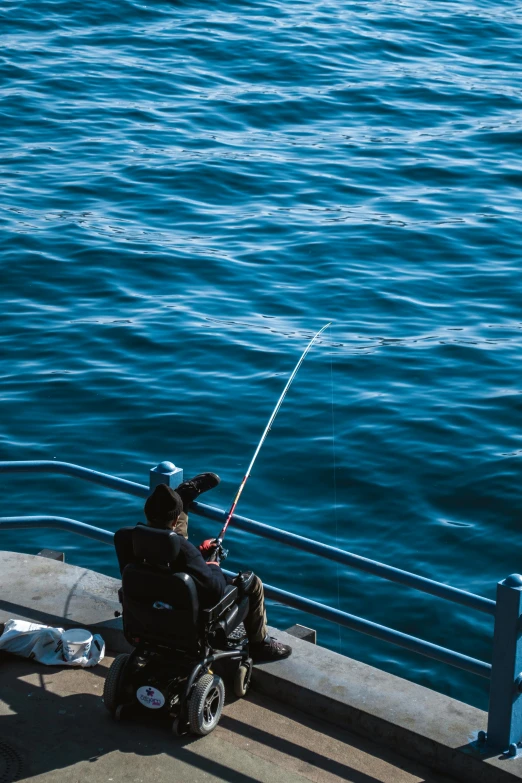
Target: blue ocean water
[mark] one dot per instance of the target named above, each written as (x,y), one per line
(187,194)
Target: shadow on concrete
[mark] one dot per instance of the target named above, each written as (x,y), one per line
(7,658)
(51,720)
(51,731)
(312,755)
(32,614)
(308,755)
(110,629)
(482,752)
(46,731)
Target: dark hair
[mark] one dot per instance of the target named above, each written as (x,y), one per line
(162,507)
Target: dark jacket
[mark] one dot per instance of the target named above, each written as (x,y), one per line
(209,579)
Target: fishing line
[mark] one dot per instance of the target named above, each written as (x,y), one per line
(335,494)
(265,433)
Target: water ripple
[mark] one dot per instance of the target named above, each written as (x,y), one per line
(189,193)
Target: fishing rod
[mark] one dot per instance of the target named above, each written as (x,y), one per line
(263,438)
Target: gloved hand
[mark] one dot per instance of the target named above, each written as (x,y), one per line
(209,550)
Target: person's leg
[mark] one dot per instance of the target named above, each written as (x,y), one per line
(255,621)
(262,647)
(181,526)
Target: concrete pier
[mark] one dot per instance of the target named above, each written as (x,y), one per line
(316,716)
(57,730)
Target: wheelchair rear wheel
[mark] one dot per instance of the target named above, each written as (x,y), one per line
(113,682)
(206,704)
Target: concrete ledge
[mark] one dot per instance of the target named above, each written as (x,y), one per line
(413,720)
(304,633)
(55,593)
(416,721)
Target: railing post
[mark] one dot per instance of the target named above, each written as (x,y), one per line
(165,473)
(505,704)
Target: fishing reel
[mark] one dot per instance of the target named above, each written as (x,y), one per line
(221,552)
(213,550)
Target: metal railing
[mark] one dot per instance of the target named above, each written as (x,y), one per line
(505,671)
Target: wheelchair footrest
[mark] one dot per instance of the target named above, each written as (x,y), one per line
(237,635)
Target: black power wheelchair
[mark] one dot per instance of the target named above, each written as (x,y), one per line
(182,653)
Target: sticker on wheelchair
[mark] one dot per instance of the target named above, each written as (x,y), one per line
(150,697)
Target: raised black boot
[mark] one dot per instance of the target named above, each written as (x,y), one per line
(189,490)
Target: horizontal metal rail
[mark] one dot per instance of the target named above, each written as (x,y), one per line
(355,623)
(59,523)
(422,583)
(68,469)
(351,621)
(365,564)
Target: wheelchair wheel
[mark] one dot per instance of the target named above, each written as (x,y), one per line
(113,682)
(206,704)
(242,679)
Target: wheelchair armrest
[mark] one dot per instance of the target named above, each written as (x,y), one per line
(220,608)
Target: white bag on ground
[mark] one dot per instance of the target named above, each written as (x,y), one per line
(52,646)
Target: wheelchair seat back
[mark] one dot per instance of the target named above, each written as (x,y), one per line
(160,603)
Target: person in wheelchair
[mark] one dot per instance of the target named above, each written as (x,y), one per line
(166,509)
(185,620)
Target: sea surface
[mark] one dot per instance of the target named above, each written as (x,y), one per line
(188,192)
